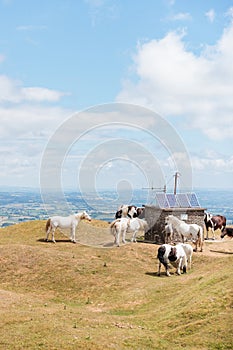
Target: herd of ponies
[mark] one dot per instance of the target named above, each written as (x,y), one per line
(127,220)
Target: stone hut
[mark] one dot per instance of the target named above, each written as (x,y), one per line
(184,206)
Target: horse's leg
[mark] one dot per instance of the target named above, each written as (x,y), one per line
(184,264)
(167,270)
(213,233)
(200,239)
(117,237)
(190,261)
(196,243)
(178,267)
(53,231)
(73,239)
(47,233)
(133,239)
(158,273)
(123,235)
(201,244)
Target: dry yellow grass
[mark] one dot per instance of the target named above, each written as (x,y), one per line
(73,296)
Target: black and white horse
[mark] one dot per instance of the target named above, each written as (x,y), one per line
(214,222)
(174,255)
(125,211)
(130,211)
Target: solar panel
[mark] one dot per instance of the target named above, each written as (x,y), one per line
(173,203)
(193,200)
(162,200)
(183,200)
(180,200)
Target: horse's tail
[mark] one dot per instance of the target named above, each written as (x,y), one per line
(48,223)
(200,237)
(112,227)
(200,233)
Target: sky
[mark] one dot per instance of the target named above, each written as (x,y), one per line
(61,58)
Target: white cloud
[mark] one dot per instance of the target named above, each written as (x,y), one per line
(218,164)
(41,94)
(12,91)
(181,16)
(210,15)
(31,27)
(27,121)
(176,82)
(229,13)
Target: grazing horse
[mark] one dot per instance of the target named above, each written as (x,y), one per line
(123,225)
(174,255)
(189,231)
(228,231)
(134,225)
(188,249)
(214,222)
(125,211)
(70,222)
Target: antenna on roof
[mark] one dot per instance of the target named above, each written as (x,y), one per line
(160,189)
(176,176)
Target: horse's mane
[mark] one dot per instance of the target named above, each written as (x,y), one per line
(175,219)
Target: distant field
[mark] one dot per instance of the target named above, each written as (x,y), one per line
(75,296)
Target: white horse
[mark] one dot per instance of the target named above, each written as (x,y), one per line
(188,251)
(70,222)
(189,231)
(123,225)
(169,233)
(118,227)
(174,255)
(135,225)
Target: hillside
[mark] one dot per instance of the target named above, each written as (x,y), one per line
(74,296)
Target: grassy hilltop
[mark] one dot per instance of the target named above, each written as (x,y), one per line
(74,296)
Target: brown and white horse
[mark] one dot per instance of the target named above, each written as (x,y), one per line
(214,222)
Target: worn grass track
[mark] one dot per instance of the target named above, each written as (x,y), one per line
(67,296)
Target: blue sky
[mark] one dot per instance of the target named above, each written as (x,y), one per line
(58,57)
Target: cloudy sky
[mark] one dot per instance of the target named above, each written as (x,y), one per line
(61,57)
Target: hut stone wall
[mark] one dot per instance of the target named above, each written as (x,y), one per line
(155,218)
